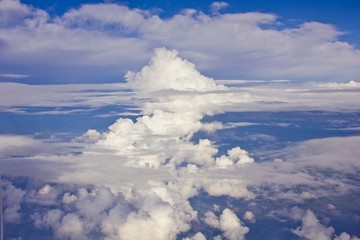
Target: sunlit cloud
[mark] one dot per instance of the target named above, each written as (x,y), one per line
(114,38)
(137,178)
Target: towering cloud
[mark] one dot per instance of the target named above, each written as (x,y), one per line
(162,135)
(167,70)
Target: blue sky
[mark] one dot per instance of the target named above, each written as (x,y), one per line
(184,120)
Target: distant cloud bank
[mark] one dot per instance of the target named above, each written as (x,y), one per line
(100,42)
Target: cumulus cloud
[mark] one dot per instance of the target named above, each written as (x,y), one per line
(249,216)
(211,219)
(345,236)
(158,167)
(168,71)
(12,199)
(235,156)
(78,215)
(158,206)
(71,227)
(165,129)
(91,136)
(155,213)
(197,236)
(312,229)
(232,226)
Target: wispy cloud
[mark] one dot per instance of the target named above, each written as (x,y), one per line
(13,75)
(217,6)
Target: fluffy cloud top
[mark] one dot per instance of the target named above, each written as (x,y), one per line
(160,139)
(169,122)
(12,200)
(312,229)
(231,226)
(168,71)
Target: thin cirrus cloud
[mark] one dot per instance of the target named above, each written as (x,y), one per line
(13,75)
(98,42)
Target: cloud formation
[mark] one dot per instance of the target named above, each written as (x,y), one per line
(217,6)
(179,74)
(312,229)
(12,200)
(147,170)
(83,41)
(13,75)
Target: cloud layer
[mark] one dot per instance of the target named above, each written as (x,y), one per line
(102,41)
(147,170)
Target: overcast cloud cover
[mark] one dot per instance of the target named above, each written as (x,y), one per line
(173,165)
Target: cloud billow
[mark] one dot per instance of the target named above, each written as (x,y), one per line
(102,41)
(146,171)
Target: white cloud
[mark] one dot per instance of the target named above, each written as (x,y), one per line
(157,168)
(85,38)
(335,153)
(71,95)
(312,229)
(178,74)
(13,75)
(104,14)
(50,218)
(350,84)
(11,10)
(255,98)
(12,199)
(211,219)
(91,136)
(249,216)
(71,227)
(28,146)
(232,226)
(236,156)
(235,188)
(9,142)
(345,236)
(197,236)
(217,6)
(159,198)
